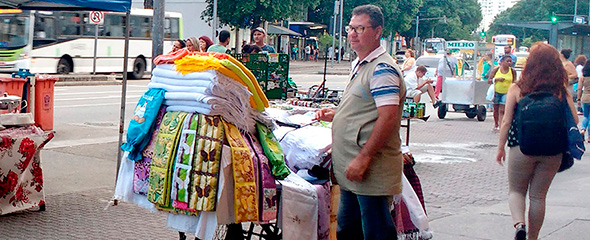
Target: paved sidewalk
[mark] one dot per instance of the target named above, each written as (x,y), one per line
(465,190)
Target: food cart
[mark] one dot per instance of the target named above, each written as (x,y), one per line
(465,93)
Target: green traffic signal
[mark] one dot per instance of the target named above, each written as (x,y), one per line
(553,19)
(482,34)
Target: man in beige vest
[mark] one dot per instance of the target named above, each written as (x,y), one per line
(366,154)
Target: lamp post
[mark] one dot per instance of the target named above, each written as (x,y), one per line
(417,39)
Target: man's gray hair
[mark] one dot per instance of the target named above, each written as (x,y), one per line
(374,12)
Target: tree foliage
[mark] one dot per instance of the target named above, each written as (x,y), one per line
(397,13)
(254,12)
(532,11)
(463,17)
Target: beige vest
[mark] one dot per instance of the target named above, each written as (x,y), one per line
(351,128)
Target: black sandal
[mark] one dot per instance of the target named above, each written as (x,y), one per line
(520,231)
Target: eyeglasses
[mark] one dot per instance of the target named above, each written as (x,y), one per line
(357,30)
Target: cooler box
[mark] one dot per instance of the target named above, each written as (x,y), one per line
(43,101)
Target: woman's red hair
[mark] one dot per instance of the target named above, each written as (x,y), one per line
(543,71)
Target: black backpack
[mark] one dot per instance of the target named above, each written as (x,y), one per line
(541,124)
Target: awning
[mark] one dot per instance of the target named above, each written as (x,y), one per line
(278,30)
(104,5)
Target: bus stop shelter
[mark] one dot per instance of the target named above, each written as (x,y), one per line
(561,34)
(86,5)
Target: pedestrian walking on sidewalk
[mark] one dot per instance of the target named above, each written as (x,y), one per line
(543,78)
(502,77)
(366,153)
(584,97)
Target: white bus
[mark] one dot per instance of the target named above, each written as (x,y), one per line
(63,41)
(500,41)
(433,46)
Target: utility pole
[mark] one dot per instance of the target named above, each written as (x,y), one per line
(340,52)
(417,39)
(158,29)
(331,56)
(214,22)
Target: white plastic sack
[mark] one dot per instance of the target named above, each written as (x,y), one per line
(490,93)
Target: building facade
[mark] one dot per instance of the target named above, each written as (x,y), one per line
(491,8)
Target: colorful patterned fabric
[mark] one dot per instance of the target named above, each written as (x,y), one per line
(273,152)
(323,192)
(205,173)
(245,197)
(160,176)
(266,182)
(21,176)
(183,162)
(142,167)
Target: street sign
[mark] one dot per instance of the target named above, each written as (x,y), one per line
(461,44)
(96,17)
(579,20)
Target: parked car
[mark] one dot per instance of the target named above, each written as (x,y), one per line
(431,63)
(521,59)
(400,57)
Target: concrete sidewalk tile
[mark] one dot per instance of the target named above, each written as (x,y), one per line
(475,226)
(578,229)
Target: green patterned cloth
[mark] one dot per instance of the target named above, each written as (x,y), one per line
(160,177)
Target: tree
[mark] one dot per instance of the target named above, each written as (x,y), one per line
(253,13)
(397,13)
(532,11)
(462,19)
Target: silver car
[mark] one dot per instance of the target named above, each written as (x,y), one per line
(431,63)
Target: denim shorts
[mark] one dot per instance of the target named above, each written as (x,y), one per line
(499,98)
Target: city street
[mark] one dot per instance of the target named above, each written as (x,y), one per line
(465,189)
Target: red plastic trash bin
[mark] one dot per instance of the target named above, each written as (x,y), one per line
(12,86)
(44,89)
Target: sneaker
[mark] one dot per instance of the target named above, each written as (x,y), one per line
(495,129)
(437,104)
(520,232)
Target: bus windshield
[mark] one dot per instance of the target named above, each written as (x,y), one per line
(14,31)
(433,46)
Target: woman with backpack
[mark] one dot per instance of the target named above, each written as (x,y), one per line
(502,77)
(544,76)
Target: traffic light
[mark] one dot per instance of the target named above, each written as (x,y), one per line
(553,19)
(482,34)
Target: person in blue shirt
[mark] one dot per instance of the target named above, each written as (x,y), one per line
(258,36)
(508,51)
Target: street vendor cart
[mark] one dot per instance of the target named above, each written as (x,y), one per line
(465,93)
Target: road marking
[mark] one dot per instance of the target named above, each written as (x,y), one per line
(79,142)
(94,105)
(95,98)
(105,92)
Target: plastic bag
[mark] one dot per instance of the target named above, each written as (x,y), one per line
(490,93)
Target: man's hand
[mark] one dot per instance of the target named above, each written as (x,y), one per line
(357,169)
(429,81)
(325,114)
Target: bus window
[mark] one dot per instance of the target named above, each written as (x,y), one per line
(141,26)
(113,25)
(171,28)
(70,23)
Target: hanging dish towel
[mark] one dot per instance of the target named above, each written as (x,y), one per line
(160,177)
(273,152)
(245,197)
(183,163)
(143,118)
(205,172)
(266,182)
(142,167)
